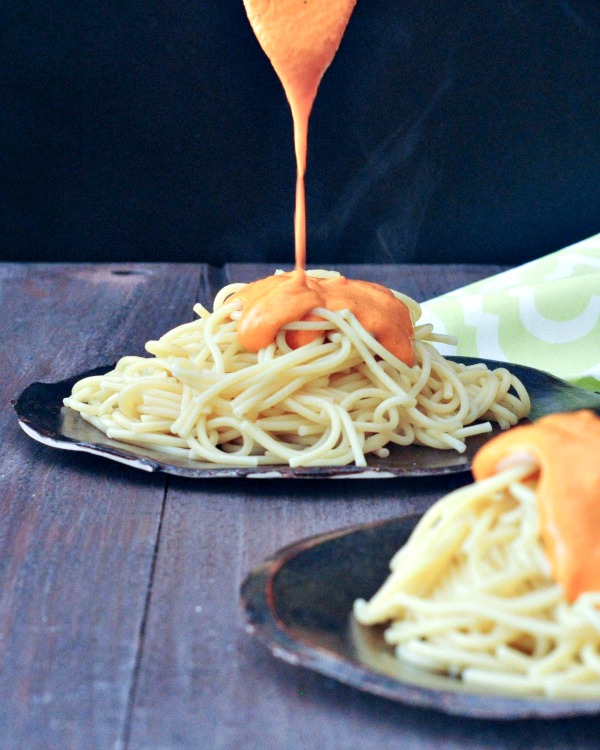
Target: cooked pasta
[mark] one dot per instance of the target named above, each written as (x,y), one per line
(333,401)
(471,595)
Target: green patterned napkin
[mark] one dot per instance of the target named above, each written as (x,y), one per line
(545,314)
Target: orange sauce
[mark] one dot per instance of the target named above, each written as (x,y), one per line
(565,449)
(270,303)
(300,38)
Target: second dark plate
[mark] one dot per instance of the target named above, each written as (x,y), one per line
(299,604)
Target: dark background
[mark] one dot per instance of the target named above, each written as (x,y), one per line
(443,131)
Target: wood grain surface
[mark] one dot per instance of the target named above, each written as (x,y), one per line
(120,625)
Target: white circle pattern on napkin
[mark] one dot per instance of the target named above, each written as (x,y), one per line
(544,314)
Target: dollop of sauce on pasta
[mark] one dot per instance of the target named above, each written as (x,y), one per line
(270,303)
(564,448)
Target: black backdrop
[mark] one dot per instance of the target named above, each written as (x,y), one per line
(157,130)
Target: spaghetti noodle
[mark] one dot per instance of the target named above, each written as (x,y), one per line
(331,401)
(472,595)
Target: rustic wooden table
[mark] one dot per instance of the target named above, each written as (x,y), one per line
(120,624)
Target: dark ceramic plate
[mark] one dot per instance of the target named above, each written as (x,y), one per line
(299,604)
(43,417)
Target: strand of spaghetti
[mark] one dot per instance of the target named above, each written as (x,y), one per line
(432,545)
(225,292)
(132,394)
(263,396)
(354,437)
(328,361)
(327,440)
(187,374)
(267,354)
(150,439)
(203,448)
(424,360)
(357,334)
(188,416)
(458,501)
(211,323)
(279,395)
(254,393)
(525,684)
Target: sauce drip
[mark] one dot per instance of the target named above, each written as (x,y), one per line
(270,303)
(565,448)
(300,38)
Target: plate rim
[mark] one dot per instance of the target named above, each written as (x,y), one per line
(262,621)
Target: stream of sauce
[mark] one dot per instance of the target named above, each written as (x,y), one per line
(565,448)
(300,38)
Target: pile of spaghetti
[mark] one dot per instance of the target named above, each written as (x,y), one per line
(486,592)
(332,401)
